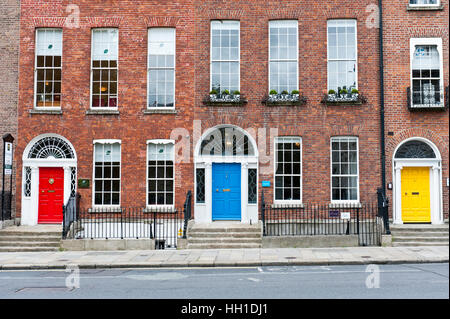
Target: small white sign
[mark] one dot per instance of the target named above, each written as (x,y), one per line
(345,215)
(8,153)
(8,171)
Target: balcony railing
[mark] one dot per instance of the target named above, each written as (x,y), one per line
(427,99)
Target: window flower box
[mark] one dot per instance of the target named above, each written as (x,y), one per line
(284,100)
(344,98)
(225,99)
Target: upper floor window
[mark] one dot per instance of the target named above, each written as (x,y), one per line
(342,55)
(426,72)
(344,169)
(283,55)
(424,2)
(48,68)
(105,53)
(225,52)
(161,67)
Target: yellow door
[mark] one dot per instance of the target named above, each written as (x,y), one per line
(416,195)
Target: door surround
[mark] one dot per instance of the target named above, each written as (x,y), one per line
(435,166)
(65,158)
(203,211)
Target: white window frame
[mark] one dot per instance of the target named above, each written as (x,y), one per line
(103,108)
(292,201)
(156,142)
(46,108)
(174,71)
(437,4)
(286,60)
(356,53)
(211,54)
(334,201)
(413,42)
(106,141)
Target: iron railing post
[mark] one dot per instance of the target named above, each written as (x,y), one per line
(263,209)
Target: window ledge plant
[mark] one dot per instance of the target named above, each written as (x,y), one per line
(285,98)
(224,98)
(343,96)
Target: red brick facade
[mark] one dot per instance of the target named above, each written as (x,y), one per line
(315,122)
(400,25)
(9,58)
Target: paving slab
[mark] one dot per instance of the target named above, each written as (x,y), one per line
(224,257)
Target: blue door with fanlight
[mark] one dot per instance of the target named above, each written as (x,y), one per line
(226,191)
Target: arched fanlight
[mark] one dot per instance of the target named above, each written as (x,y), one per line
(227,141)
(51,147)
(415,149)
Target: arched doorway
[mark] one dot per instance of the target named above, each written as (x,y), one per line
(417,182)
(48,179)
(226,176)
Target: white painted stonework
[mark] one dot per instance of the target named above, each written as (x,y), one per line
(30,205)
(203,211)
(436,201)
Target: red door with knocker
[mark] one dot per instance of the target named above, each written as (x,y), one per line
(51,195)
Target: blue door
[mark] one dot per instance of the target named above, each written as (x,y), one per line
(226,191)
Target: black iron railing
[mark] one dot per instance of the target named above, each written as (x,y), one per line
(362,220)
(187,212)
(164,225)
(436,99)
(6,200)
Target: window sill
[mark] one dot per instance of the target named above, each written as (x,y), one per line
(102,112)
(299,205)
(345,205)
(351,99)
(160,210)
(425,8)
(52,112)
(160,111)
(95,210)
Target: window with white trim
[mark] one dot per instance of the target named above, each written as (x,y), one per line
(225,51)
(48,68)
(160,173)
(344,169)
(288,169)
(106,184)
(426,72)
(424,2)
(161,67)
(342,55)
(283,55)
(104,68)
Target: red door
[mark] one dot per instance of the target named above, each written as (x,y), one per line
(51,195)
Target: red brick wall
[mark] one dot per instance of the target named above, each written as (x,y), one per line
(131,126)
(400,25)
(314,122)
(9,58)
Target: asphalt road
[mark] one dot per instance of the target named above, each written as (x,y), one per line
(291,282)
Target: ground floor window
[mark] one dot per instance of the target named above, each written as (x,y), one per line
(107,160)
(288,169)
(344,170)
(160,172)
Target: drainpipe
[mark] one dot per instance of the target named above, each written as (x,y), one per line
(382,128)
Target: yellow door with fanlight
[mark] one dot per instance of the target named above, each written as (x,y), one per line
(416,195)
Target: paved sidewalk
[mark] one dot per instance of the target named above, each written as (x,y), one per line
(223,257)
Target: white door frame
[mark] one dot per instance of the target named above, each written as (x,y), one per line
(436,203)
(30,204)
(203,211)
